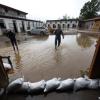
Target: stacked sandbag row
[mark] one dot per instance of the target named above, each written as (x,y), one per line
(55,84)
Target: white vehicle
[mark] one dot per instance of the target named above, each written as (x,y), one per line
(38,31)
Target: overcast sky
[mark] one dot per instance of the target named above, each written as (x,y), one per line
(47,9)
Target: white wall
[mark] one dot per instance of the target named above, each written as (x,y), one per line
(19,25)
(61,23)
(8,23)
(31,25)
(25,24)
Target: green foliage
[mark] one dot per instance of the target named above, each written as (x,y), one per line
(66,17)
(90,9)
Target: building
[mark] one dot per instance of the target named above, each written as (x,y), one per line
(96,25)
(65,24)
(90,24)
(16,20)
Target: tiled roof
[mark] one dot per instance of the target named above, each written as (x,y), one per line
(4,6)
(10,17)
(63,20)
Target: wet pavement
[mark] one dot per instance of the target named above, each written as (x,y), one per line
(37,59)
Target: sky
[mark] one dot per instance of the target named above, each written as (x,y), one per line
(47,9)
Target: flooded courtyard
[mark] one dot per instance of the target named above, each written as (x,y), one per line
(37,58)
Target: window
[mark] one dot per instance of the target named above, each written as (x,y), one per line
(63,25)
(28,27)
(59,25)
(49,26)
(2,24)
(68,26)
(33,24)
(54,26)
(6,10)
(73,26)
(11,26)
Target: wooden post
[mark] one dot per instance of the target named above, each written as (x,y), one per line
(9,61)
(4,81)
(95,65)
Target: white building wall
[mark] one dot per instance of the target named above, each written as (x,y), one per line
(19,25)
(52,24)
(57,24)
(9,23)
(64,24)
(68,23)
(38,24)
(34,24)
(31,25)
(25,25)
(41,24)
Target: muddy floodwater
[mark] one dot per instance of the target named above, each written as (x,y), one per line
(37,58)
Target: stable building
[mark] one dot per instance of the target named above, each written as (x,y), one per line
(14,19)
(90,24)
(64,23)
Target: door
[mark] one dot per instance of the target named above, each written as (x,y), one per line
(23,27)
(15,26)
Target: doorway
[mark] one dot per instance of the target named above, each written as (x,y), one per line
(15,26)
(23,27)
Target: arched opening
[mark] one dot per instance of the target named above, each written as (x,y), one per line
(64,26)
(59,25)
(54,26)
(68,26)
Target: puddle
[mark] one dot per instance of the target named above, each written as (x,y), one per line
(37,58)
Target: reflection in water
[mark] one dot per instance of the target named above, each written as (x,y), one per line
(36,60)
(41,38)
(18,61)
(7,43)
(58,56)
(84,41)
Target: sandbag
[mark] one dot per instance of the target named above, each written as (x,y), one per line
(7,66)
(15,85)
(94,84)
(37,87)
(1,91)
(52,84)
(24,88)
(67,84)
(81,83)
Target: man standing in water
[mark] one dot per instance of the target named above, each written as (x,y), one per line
(58,32)
(11,36)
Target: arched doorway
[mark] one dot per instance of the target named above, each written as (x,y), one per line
(15,26)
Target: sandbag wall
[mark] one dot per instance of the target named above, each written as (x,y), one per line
(55,84)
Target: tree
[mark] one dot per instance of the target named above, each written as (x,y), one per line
(90,9)
(66,17)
